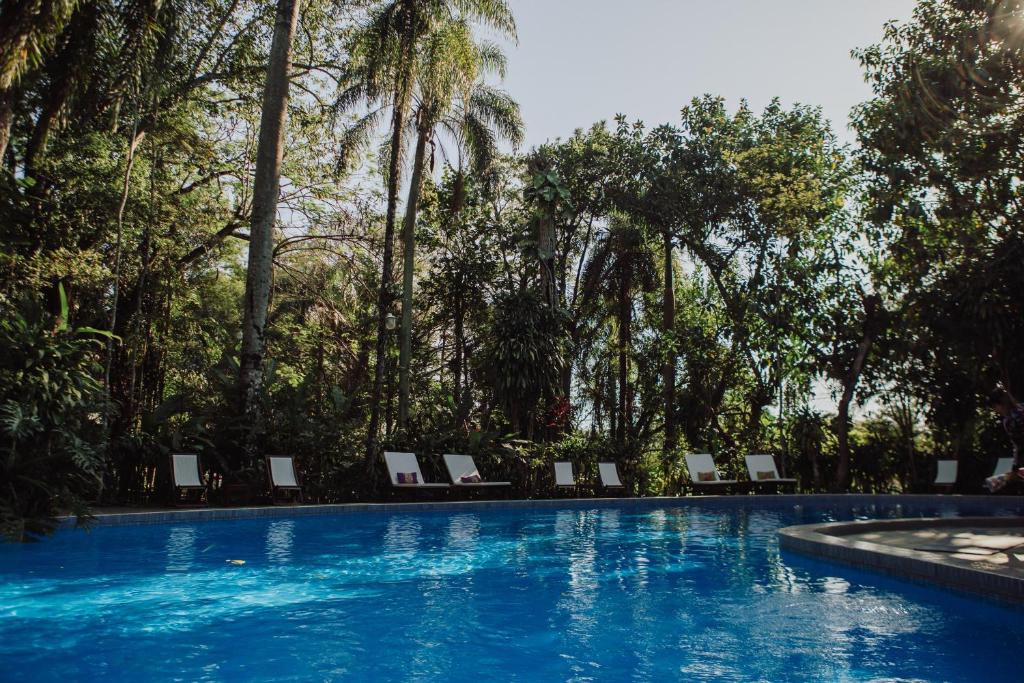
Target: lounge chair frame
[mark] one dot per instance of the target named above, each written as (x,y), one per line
(459,466)
(201,490)
(703,462)
(1013,487)
(566,482)
(764,462)
(292,492)
(1003,465)
(608,473)
(946,473)
(397,462)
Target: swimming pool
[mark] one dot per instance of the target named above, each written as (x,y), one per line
(674,591)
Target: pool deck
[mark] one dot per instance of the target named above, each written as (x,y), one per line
(980,555)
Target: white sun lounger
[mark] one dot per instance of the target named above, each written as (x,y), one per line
(945,473)
(702,465)
(185,476)
(460,466)
(1003,465)
(563,475)
(609,475)
(763,472)
(281,472)
(406,464)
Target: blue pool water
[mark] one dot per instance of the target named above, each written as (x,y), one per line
(601,594)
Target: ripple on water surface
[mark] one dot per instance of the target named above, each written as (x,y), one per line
(604,594)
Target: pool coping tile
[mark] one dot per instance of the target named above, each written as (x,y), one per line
(207,514)
(829,541)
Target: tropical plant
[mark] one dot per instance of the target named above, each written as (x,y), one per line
(52,412)
(382,72)
(449,77)
(524,352)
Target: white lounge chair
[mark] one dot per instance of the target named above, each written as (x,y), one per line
(703,473)
(404,470)
(945,474)
(563,475)
(463,472)
(186,478)
(763,472)
(282,476)
(1003,465)
(609,475)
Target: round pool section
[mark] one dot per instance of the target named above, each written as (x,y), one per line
(679,590)
(972,554)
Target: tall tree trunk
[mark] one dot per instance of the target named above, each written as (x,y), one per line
(408,265)
(400,105)
(459,333)
(115,305)
(815,455)
(842,478)
(7,98)
(668,371)
(389,400)
(873,320)
(625,323)
(546,250)
(613,402)
(266,188)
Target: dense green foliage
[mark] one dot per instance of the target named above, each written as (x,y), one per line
(51,417)
(734,281)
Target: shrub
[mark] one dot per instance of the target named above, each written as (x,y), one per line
(51,419)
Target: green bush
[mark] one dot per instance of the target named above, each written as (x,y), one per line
(51,419)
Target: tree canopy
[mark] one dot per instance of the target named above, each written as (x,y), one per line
(732,281)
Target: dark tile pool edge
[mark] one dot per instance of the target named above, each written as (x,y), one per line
(828,542)
(710,502)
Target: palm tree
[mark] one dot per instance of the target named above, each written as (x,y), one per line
(266,187)
(623,263)
(27,32)
(382,72)
(452,99)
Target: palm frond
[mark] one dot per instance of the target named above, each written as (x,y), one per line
(495,14)
(356,138)
(499,111)
(479,141)
(492,58)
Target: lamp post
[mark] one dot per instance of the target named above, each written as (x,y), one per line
(390,322)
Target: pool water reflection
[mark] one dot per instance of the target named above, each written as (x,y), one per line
(604,594)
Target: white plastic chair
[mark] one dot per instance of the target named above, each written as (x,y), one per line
(609,475)
(763,472)
(460,466)
(702,464)
(406,463)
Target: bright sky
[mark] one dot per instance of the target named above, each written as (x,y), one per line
(581,61)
